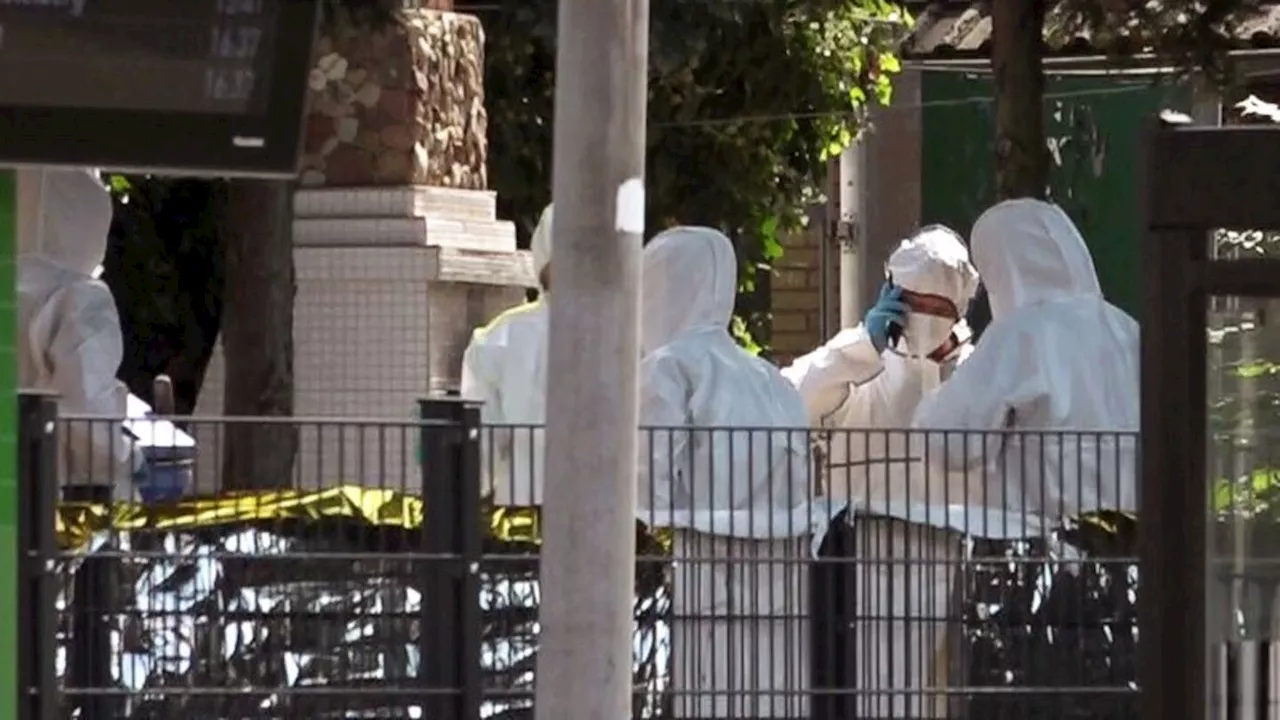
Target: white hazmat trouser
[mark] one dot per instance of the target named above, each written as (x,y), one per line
(907,622)
(740,629)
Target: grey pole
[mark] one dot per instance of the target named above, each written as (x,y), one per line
(588,552)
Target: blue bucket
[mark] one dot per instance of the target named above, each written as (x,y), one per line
(167,481)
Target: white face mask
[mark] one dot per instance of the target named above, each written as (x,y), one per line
(924,334)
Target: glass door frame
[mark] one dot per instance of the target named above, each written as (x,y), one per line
(1194,180)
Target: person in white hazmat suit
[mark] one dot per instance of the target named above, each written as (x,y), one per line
(864,385)
(69,337)
(1057,357)
(505,368)
(724,462)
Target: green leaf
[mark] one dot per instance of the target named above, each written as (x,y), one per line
(738,328)
(1252,495)
(738,140)
(1260,368)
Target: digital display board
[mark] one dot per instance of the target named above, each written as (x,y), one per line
(211,86)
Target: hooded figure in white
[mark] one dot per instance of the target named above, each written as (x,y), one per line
(1057,357)
(69,337)
(865,389)
(505,367)
(725,463)
(850,383)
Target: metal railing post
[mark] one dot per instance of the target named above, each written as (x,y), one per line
(449,639)
(472,539)
(89,654)
(38,697)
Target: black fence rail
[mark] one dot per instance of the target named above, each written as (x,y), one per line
(880,574)
(393,572)
(352,600)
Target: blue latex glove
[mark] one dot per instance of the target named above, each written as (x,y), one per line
(888,312)
(162,481)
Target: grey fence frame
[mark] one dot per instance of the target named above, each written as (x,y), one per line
(450,620)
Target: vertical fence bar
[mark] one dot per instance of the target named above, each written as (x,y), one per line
(37,498)
(89,654)
(450,624)
(833,644)
(471,544)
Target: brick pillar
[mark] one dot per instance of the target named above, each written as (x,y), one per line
(398,250)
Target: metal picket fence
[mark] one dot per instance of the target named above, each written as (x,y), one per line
(884,575)
(343,599)
(393,573)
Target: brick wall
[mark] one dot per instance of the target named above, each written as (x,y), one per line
(796,295)
(797,285)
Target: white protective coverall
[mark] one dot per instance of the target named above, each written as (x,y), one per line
(1057,357)
(902,521)
(847,384)
(725,462)
(69,337)
(505,367)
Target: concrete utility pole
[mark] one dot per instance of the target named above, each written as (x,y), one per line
(588,550)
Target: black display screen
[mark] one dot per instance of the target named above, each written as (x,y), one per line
(229,74)
(211,56)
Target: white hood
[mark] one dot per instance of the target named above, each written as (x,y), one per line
(1030,252)
(690,277)
(69,339)
(1057,357)
(540,245)
(74,220)
(935,261)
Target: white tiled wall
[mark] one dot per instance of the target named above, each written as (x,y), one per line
(361,324)
(373,334)
(395,202)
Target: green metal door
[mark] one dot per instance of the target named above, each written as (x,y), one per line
(1093,126)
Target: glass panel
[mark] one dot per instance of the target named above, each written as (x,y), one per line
(1243,463)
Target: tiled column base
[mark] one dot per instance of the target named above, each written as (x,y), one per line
(382,316)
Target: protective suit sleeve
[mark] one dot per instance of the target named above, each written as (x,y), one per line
(663,443)
(982,395)
(825,376)
(84,354)
(480,369)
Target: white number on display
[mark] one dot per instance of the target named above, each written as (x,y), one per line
(235,43)
(239,7)
(228,84)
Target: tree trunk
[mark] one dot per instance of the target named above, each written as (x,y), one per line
(257,333)
(1022,156)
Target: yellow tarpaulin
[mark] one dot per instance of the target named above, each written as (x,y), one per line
(77,522)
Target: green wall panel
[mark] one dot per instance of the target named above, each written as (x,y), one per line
(8,450)
(1093,125)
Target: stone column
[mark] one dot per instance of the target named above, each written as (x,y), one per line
(399,253)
